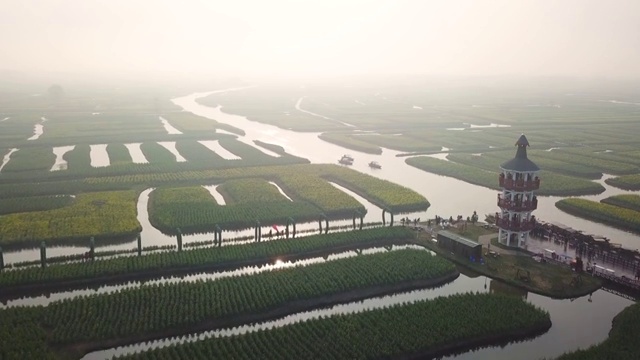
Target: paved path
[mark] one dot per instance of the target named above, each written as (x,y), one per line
(485,240)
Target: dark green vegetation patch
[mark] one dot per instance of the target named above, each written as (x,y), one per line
(423,329)
(617,216)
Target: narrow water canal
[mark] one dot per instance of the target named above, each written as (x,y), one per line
(576,323)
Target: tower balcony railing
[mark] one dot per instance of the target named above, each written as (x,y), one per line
(520,184)
(515,225)
(508,204)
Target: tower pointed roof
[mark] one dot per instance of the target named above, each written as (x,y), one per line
(522,141)
(520,162)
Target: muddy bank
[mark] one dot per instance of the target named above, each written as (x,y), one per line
(268,314)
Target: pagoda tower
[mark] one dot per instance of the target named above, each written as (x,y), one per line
(518,180)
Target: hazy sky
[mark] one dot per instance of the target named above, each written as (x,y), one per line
(301,38)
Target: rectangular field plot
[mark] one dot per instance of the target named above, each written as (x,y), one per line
(79,159)
(102,127)
(30,159)
(251,190)
(98,214)
(197,153)
(193,209)
(118,154)
(155,153)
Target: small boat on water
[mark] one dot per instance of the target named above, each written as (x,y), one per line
(375,165)
(346,160)
(348,157)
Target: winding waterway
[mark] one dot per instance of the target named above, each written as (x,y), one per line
(566,317)
(448,196)
(154,237)
(577,323)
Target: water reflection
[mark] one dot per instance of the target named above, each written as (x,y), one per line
(263,150)
(280,190)
(213,190)
(99,156)
(48,298)
(137,156)
(499,287)
(7,157)
(448,196)
(169,128)
(61,163)
(38,130)
(154,237)
(576,323)
(215,146)
(592,318)
(171,146)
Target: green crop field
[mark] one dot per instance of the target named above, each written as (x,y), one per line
(550,184)
(631,202)
(418,329)
(36,159)
(193,209)
(261,252)
(307,185)
(617,216)
(106,214)
(189,123)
